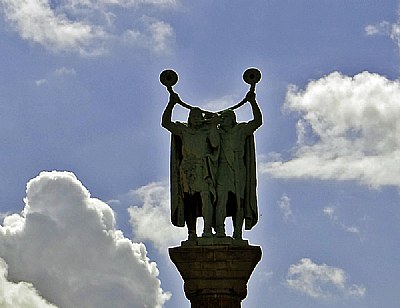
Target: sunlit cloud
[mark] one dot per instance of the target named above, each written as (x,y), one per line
(65,243)
(19,295)
(86,27)
(321,281)
(150,217)
(348,129)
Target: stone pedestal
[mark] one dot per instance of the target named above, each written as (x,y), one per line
(215,276)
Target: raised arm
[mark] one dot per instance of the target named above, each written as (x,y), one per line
(257,116)
(166,120)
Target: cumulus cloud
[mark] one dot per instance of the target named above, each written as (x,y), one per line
(83,26)
(348,129)
(65,243)
(19,295)
(150,217)
(321,281)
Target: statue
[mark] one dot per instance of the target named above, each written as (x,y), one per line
(213,171)
(236,175)
(193,153)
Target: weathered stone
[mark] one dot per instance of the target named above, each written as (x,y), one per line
(218,275)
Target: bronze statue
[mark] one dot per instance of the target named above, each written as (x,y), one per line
(213,171)
(193,153)
(236,176)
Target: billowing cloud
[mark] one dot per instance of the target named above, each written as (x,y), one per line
(83,26)
(150,217)
(348,129)
(19,295)
(65,243)
(321,281)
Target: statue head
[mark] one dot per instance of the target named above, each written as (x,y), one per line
(228,119)
(196,118)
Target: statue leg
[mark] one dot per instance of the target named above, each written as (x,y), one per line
(238,219)
(207,213)
(190,219)
(221,213)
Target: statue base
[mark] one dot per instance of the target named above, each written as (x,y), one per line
(215,275)
(211,241)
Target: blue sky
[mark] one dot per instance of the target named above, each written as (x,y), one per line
(80,92)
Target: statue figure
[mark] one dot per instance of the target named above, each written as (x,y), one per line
(236,176)
(213,171)
(193,155)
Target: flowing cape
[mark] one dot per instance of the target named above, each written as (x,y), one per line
(250,194)
(177,202)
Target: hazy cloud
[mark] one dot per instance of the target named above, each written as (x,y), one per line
(220,103)
(330,211)
(65,71)
(86,27)
(321,281)
(150,217)
(348,129)
(65,243)
(284,205)
(383,28)
(154,34)
(386,28)
(41,82)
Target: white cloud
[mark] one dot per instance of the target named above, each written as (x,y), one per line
(330,211)
(65,243)
(386,28)
(151,220)
(349,130)
(154,34)
(321,281)
(383,27)
(41,82)
(19,295)
(36,21)
(65,71)
(284,205)
(220,103)
(84,26)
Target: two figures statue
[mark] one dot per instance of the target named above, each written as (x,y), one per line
(213,165)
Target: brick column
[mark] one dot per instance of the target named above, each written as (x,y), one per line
(215,276)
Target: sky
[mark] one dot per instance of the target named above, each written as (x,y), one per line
(84,195)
